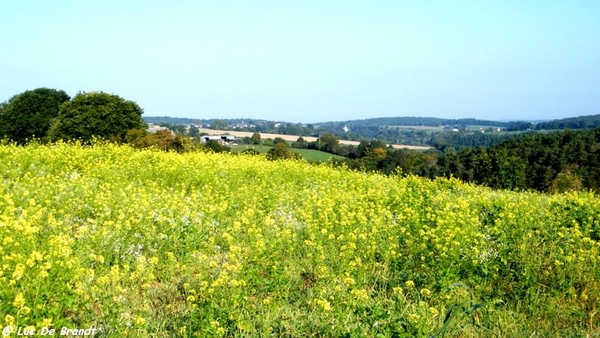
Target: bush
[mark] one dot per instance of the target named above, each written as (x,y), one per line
(280,151)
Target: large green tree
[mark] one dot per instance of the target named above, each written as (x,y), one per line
(328,142)
(279,151)
(256,138)
(29,114)
(96,114)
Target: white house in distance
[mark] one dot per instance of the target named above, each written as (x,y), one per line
(225,140)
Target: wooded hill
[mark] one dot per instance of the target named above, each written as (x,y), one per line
(413,121)
(580,122)
(541,161)
(557,161)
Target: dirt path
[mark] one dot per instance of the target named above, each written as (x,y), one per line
(295,137)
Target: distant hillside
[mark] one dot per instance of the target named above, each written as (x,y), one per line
(413,121)
(374,122)
(580,122)
(185,120)
(422,131)
(169,120)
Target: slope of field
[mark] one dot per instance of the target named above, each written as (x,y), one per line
(293,138)
(311,155)
(153,244)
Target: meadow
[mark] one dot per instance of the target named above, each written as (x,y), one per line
(147,243)
(310,155)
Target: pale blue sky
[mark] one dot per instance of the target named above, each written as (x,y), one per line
(312,61)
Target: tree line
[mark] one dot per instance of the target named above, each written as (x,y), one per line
(580,122)
(51,115)
(556,161)
(48,115)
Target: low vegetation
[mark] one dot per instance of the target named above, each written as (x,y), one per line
(540,161)
(150,243)
(310,155)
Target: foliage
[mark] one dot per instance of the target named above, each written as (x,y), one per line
(310,155)
(163,140)
(219,124)
(467,310)
(173,120)
(279,140)
(280,151)
(535,160)
(300,143)
(293,129)
(411,121)
(178,128)
(194,131)
(366,148)
(517,126)
(215,146)
(96,114)
(149,243)
(255,138)
(580,122)
(250,151)
(328,142)
(566,181)
(540,161)
(28,115)
(460,140)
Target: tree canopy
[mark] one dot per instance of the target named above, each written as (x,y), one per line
(96,114)
(30,113)
(279,151)
(328,142)
(256,138)
(580,122)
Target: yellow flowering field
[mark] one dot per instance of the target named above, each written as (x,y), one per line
(145,243)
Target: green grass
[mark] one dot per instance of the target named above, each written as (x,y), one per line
(241,147)
(311,155)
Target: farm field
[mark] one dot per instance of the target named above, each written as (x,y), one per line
(293,138)
(311,155)
(153,244)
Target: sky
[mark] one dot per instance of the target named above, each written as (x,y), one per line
(312,61)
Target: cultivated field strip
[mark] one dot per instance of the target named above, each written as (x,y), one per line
(293,138)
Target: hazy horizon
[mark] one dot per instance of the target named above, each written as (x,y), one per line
(250,119)
(312,62)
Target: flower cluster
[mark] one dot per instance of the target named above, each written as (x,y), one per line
(147,242)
